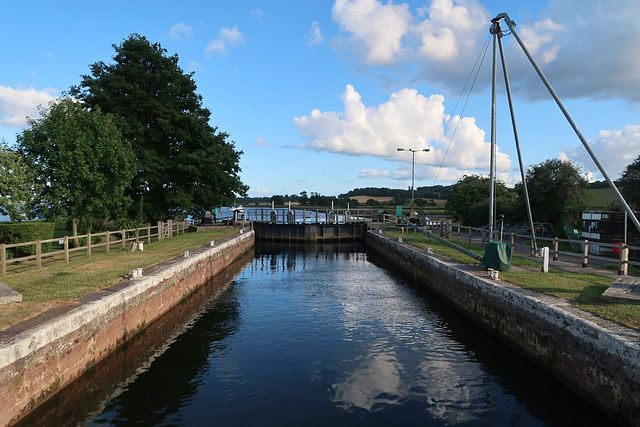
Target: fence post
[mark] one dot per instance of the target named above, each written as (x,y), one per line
(513,243)
(149,234)
(3,259)
(469,234)
(159,231)
(38,254)
(585,254)
(88,245)
(66,249)
(170,228)
(555,248)
(124,239)
(623,269)
(137,234)
(107,236)
(482,245)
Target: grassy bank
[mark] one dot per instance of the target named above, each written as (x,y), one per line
(59,283)
(583,290)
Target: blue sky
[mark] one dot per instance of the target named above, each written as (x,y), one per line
(319,95)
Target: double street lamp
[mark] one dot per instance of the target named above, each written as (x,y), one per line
(413,167)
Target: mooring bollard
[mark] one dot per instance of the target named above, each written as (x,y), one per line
(585,254)
(623,269)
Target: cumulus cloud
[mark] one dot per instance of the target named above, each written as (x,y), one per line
(17,104)
(408,120)
(540,34)
(226,38)
(315,35)
(375,29)
(179,30)
(586,50)
(614,148)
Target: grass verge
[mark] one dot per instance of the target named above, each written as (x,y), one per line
(583,290)
(59,283)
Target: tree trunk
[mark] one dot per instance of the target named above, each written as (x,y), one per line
(74,230)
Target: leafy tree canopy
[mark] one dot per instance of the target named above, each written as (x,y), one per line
(468,200)
(557,192)
(630,183)
(182,162)
(16,184)
(81,164)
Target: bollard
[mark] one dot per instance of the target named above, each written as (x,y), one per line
(623,269)
(545,259)
(555,248)
(585,254)
(212,243)
(141,246)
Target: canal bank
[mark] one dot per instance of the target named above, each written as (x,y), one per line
(596,358)
(42,355)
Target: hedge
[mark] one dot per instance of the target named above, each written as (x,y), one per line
(29,231)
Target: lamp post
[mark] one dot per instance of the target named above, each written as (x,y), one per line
(413,167)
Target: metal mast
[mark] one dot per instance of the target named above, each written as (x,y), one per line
(495,29)
(512,28)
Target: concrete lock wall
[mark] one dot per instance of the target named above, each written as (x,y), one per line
(37,362)
(597,359)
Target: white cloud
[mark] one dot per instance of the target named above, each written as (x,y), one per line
(260,190)
(450,29)
(586,49)
(540,34)
(315,35)
(408,120)
(227,37)
(178,30)
(374,174)
(17,104)
(614,148)
(256,14)
(374,28)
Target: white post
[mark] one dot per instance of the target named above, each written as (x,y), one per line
(545,259)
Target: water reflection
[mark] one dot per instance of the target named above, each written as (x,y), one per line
(323,335)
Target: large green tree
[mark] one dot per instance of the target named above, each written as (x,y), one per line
(468,200)
(630,183)
(557,191)
(182,162)
(16,184)
(81,163)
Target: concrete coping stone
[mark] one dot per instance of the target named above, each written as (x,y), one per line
(8,295)
(625,290)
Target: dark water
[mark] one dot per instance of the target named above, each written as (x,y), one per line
(322,338)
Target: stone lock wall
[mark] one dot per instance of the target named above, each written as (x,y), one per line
(37,362)
(597,359)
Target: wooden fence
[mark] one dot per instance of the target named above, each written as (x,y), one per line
(120,238)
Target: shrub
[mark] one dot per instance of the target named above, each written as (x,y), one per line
(26,232)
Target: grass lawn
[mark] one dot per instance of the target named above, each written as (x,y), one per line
(583,290)
(58,283)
